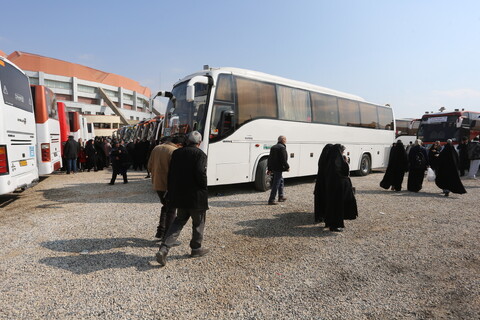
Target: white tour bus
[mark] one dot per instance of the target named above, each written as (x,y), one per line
(49,155)
(240,114)
(18,163)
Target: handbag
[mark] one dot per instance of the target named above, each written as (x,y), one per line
(430,175)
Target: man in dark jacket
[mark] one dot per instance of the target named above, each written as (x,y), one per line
(277,164)
(187,191)
(70,153)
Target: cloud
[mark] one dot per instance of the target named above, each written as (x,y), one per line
(86,57)
(464,93)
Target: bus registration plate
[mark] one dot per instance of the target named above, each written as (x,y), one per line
(23,163)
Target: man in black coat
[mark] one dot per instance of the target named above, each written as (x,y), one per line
(464,163)
(187,191)
(277,164)
(70,153)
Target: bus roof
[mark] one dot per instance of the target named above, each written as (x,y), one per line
(255,75)
(448,113)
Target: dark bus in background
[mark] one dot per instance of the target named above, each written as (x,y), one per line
(449,125)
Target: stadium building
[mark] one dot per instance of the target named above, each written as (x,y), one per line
(90,92)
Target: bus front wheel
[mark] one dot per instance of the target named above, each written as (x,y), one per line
(365,165)
(262,179)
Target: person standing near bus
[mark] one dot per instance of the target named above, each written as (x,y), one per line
(464,163)
(277,164)
(340,200)
(433,154)
(120,162)
(320,185)
(418,163)
(474,156)
(397,166)
(447,177)
(187,191)
(158,165)
(70,153)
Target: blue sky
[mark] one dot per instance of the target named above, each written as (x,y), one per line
(414,55)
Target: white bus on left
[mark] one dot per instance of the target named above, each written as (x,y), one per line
(18,159)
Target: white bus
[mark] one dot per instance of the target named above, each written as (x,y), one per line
(406,130)
(18,163)
(49,153)
(240,113)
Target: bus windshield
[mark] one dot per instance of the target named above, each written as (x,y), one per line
(15,87)
(181,116)
(440,129)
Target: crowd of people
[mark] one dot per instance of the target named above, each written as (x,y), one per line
(445,164)
(103,152)
(178,170)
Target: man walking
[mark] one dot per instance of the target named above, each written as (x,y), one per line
(277,164)
(158,165)
(187,191)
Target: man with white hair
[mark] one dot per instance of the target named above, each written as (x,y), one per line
(187,191)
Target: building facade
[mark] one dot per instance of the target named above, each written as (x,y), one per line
(80,88)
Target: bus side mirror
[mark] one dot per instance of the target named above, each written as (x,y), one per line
(190,93)
(227,121)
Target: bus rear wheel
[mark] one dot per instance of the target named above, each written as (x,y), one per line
(263,181)
(365,165)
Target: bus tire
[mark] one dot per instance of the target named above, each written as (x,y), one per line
(365,165)
(263,181)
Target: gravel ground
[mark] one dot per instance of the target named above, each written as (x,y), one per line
(74,247)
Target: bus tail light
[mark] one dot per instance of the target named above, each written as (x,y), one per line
(45,147)
(3,160)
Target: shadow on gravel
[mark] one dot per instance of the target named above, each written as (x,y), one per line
(87,261)
(403,193)
(245,188)
(7,199)
(102,193)
(79,245)
(294,224)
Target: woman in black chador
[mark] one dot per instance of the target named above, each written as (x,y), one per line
(320,188)
(340,203)
(447,177)
(397,166)
(418,163)
(91,154)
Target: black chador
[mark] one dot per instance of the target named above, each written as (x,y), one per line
(447,177)
(340,203)
(418,162)
(320,186)
(397,166)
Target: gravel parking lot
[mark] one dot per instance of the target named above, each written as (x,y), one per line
(74,247)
